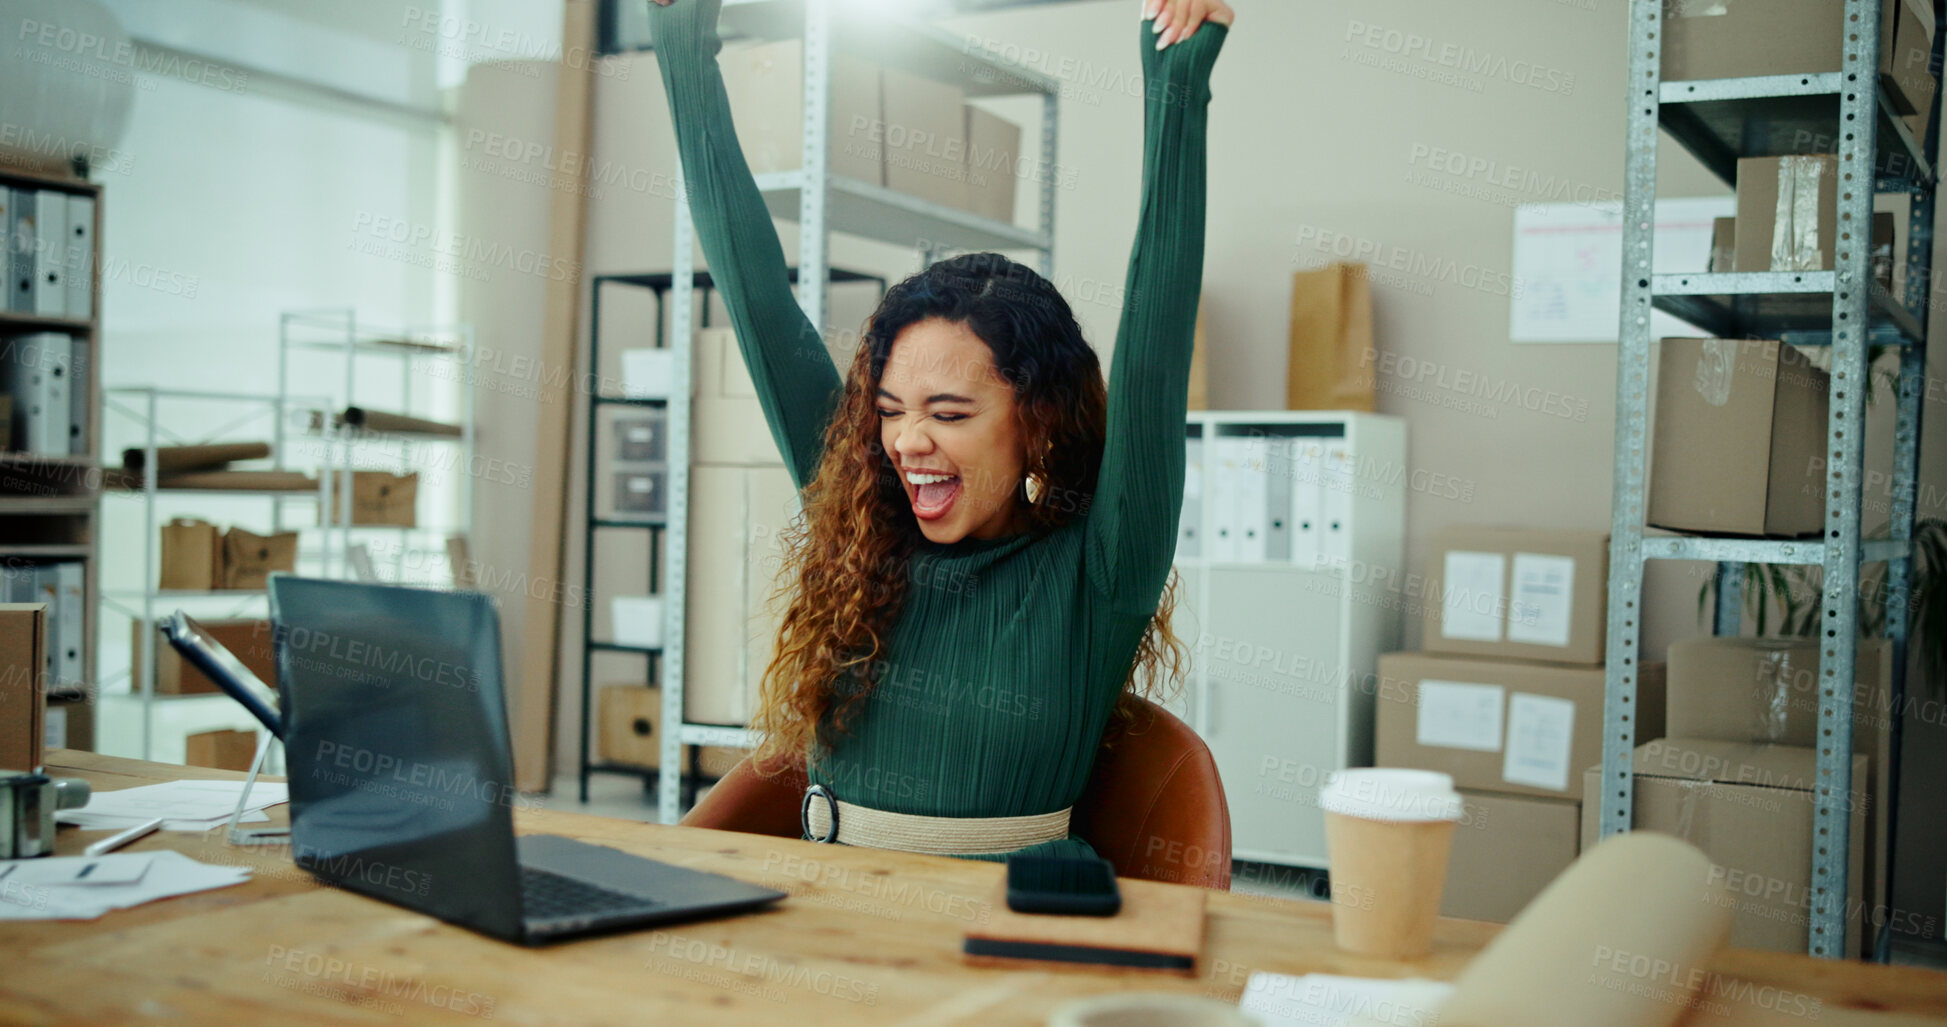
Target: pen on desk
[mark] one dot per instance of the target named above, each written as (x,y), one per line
(113,842)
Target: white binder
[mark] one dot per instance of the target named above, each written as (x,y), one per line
(1189,526)
(39,368)
(79,444)
(20,241)
(1253,520)
(69,613)
(50,244)
(1225,472)
(1335,542)
(80,260)
(1307,492)
(1278,483)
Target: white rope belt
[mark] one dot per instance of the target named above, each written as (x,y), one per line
(934,836)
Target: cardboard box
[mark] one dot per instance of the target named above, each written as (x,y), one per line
(248,640)
(1749,808)
(69,723)
(1737,439)
(192,556)
(381,497)
(1517,593)
(23,668)
(925,138)
(737,518)
(730,431)
(248,558)
(1744,38)
(993,148)
(1765,691)
(765,84)
(1506,849)
(1497,725)
(1788,217)
(711,350)
(629,715)
(1723,245)
(223,750)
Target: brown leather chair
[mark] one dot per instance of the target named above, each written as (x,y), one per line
(1153,806)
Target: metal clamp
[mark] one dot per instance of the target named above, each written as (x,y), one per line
(804,812)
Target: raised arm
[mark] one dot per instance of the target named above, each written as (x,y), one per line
(797,384)
(1139,498)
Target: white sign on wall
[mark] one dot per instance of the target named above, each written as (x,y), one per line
(1568,259)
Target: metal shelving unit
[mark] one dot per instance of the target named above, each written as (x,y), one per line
(822,203)
(337,333)
(144,405)
(1719,121)
(670,529)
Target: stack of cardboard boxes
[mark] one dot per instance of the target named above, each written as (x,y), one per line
(741,500)
(888,127)
(1506,696)
(1735,778)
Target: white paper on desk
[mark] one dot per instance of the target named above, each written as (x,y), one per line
(168,873)
(183,805)
(86,871)
(1325,1000)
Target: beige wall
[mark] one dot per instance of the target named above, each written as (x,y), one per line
(1312,132)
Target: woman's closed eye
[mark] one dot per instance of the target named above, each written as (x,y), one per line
(885,414)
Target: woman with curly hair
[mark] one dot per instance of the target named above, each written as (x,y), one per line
(984,564)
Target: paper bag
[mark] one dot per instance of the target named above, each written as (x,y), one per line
(1331,340)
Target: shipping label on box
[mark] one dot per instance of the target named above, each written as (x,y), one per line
(1518,593)
(1497,725)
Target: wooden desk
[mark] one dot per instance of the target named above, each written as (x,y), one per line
(867,937)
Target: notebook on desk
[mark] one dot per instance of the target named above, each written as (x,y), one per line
(1160,927)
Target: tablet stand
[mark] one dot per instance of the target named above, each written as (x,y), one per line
(254,834)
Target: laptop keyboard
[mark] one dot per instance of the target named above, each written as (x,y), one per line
(546,895)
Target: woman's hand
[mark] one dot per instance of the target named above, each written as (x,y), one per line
(1177,20)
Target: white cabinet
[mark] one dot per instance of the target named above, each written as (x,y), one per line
(1285,626)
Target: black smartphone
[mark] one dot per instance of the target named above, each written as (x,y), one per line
(222,666)
(1067,887)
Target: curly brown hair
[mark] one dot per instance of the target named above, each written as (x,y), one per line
(843,568)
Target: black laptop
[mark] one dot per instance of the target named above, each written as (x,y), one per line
(401,781)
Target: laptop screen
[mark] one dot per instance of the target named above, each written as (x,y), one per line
(396,738)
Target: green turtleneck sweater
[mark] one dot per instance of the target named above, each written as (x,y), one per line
(1008,653)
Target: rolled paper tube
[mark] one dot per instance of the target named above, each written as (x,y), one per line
(1624,938)
(380,421)
(196,458)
